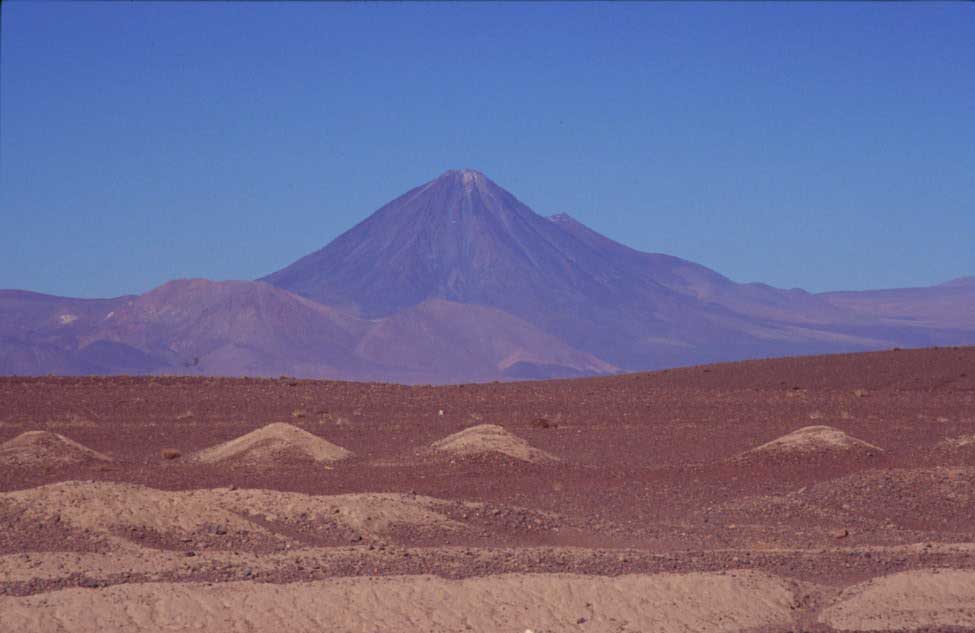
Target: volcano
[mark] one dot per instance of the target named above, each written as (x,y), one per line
(464,239)
(457,280)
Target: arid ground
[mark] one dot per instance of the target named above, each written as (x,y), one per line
(831,493)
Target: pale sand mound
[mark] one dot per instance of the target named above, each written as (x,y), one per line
(964,441)
(909,600)
(271,444)
(484,439)
(44,448)
(811,439)
(541,602)
(111,510)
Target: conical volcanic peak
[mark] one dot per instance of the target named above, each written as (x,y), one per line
(457,280)
(462,191)
(459,237)
(462,238)
(468,179)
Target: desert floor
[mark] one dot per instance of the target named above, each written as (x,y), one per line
(832,493)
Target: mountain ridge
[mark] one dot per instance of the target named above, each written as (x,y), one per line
(457,280)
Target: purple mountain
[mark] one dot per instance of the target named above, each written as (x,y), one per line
(457,280)
(463,238)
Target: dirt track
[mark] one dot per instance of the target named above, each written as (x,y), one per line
(644,475)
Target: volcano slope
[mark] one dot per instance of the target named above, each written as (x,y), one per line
(826,493)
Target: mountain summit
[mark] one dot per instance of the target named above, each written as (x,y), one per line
(459,237)
(469,178)
(463,238)
(457,280)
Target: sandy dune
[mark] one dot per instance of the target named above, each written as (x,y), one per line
(911,600)
(485,439)
(117,512)
(731,601)
(821,439)
(44,448)
(270,444)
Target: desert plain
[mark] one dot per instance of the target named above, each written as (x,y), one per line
(820,494)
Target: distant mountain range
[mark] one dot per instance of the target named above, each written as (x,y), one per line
(455,281)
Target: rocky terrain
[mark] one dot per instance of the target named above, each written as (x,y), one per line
(826,493)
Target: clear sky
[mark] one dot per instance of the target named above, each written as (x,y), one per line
(819,145)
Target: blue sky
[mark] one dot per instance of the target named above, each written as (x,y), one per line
(819,145)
